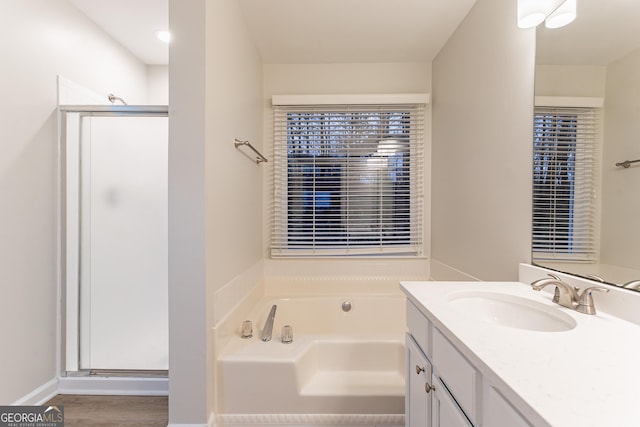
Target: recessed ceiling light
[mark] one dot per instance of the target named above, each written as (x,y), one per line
(163,35)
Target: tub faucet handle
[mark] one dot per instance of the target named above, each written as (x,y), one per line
(287,334)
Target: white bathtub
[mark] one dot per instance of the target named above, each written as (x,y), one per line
(340,364)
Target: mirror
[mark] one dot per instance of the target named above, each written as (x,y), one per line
(598,55)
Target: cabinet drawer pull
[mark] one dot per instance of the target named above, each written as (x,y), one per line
(419,369)
(428,387)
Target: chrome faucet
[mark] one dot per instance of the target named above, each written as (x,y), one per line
(568,296)
(544,280)
(267,331)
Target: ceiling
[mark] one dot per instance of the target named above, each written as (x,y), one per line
(330,31)
(602,32)
(132,23)
(301,31)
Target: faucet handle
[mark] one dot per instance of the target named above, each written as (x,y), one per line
(634,284)
(544,279)
(585,304)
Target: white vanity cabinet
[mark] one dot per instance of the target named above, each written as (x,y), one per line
(418,386)
(444,389)
(502,365)
(446,413)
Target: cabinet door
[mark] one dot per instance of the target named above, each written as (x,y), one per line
(498,412)
(446,413)
(418,399)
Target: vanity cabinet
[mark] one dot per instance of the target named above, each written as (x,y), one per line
(446,413)
(443,388)
(418,386)
(427,402)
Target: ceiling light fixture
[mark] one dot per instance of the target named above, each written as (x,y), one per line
(163,35)
(555,13)
(563,15)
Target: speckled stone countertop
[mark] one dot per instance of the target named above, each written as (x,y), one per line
(585,376)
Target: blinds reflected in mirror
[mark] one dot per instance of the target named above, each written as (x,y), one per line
(566,163)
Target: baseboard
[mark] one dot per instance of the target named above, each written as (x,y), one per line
(210,423)
(124,386)
(40,395)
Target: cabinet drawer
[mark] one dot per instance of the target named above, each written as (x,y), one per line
(420,327)
(457,373)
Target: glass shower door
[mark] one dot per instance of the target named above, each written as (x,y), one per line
(123,290)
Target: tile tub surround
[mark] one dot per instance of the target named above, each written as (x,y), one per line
(581,377)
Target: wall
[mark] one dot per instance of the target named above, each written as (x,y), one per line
(482,149)
(371,78)
(234,180)
(187,220)
(620,238)
(570,80)
(214,192)
(40,39)
(157,84)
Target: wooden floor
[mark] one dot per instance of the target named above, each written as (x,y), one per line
(113,411)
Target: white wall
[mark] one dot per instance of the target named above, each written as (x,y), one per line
(234,180)
(620,241)
(214,191)
(234,110)
(570,80)
(40,39)
(187,214)
(157,84)
(370,78)
(482,144)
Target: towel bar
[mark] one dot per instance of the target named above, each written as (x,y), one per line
(260,157)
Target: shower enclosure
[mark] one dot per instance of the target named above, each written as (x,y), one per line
(114,238)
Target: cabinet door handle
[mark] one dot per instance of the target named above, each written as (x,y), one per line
(428,387)
(419,369)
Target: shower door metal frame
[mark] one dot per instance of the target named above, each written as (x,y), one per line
(70,122)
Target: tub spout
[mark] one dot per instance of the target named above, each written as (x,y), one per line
(268,325)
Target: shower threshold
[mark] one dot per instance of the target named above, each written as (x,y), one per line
(115,382)
(129,373)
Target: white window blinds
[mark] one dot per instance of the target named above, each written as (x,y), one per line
(565,181)
(348,180)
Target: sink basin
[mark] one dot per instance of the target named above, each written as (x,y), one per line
(511,311)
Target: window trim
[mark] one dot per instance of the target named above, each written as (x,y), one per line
(589,251)
(280,250)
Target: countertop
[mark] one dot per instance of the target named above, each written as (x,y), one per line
(586,376)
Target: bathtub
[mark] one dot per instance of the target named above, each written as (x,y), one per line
(342,368)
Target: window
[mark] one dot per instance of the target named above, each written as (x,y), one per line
(348,180)
(565,177)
